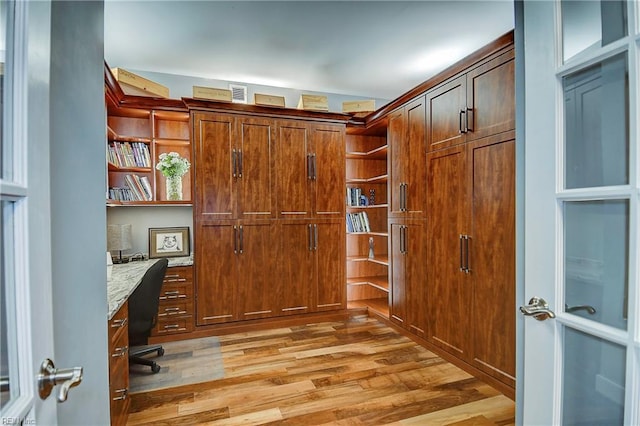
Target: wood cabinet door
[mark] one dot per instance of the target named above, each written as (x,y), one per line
(295,258)
(492,260)
(216,272)
(446,106)
(293,168)
(448,286)
(213,166)
(396,130)
(329,246)
(416,277)
(414,159)
(491,97)
(328,163)
(256,280)
(398,285)
(255,163)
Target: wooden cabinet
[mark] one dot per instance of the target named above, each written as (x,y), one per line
(311,266)
(366,181)
(119,366)
(471,253)
(406,139)
(135,140)
(268,220)
(234,269)
(408,301)
(473,104)
(175,311)
(309,161)
(234,175)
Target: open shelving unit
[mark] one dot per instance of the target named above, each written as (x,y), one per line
(366,175)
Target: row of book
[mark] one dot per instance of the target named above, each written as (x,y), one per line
(129,154)
(355,198)
(137,189)
(358,222)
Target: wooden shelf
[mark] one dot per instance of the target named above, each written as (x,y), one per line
(379,306)
(379,282)
(116,203)
(374,206)
(379,153)
(379,234)
(172,142)
(381,260)
(374,179)
(113,168)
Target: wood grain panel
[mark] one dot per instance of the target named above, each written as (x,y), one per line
(293,185)
(444,104)
(216,275)
(295,259)
(396,132)
(256,195)
(416,277)
(414,160)
(493,258)
(398,285)
(448,289)
(213,165)
(330,291)
(328,185)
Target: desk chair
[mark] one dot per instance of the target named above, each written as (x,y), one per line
(143,311)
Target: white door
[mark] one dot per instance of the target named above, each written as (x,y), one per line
(581,213)
(25,293)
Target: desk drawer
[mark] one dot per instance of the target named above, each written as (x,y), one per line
(178,274)
(176,291)
(119,323)
(173,308)
(173,325)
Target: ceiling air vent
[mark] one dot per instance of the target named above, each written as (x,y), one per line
(238,93)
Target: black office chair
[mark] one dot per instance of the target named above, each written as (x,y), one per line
(143,311)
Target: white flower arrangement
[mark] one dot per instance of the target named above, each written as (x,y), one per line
(172,164)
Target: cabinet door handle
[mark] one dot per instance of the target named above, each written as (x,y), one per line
(241,239)
(240,166)
(313,167)
(467,266)
(235,239)
(469,119)
(315,237)
(310,239)
(406,185)
(461,121)
(461,238)
(402,237)
(309,166)
(234,162)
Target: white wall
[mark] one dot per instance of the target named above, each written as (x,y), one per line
(142,218)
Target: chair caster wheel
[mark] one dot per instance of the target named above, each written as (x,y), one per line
(160,351)
(155,368)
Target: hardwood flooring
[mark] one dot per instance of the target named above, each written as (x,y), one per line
(356,372)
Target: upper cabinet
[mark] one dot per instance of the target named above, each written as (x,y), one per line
(472,105)
(407,150)
(309,169)
(235,175)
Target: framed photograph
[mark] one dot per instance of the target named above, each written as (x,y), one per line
(169,242)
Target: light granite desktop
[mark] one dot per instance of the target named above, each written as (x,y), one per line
(122,279)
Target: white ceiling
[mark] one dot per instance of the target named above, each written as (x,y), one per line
(373,49)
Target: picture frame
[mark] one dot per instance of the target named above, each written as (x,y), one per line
(169,242)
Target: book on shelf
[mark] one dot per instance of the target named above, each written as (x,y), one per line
(135,184)
(355,198)
(358,222)
(121,194)
(129,154)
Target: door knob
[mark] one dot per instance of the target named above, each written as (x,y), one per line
(537,308)
(51,376)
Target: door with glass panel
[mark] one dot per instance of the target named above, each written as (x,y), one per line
(582,325)
(25,288)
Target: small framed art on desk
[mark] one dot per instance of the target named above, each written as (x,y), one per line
(169,242)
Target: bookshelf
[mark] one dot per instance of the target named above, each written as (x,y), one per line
(366,199)
(135,139)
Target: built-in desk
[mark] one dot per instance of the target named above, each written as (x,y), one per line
(122,280)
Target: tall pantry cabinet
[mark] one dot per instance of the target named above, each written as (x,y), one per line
(471,217)
(268,214)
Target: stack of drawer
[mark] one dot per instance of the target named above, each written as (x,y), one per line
(119,366)
(175,313)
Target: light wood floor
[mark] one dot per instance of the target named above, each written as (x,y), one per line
(357,372)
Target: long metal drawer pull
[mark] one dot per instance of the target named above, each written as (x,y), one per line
(171,293)
(469,119)
(172,276)
(234,163)
(461,238)
(171,326)
(315,237)
(178,280)
(309,166)
(240,167)
(467,266)
(171,309)
(310,239)
(313,167)
(235,239)
(241,239)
